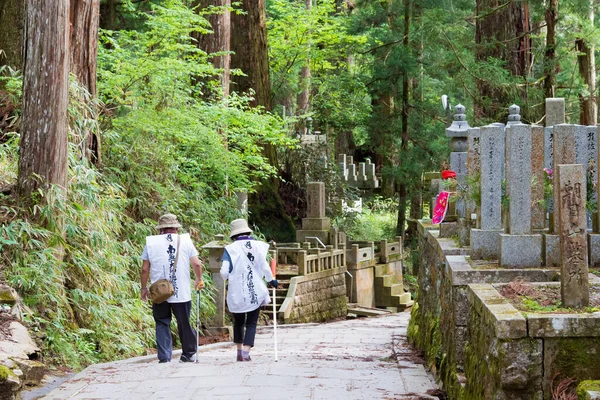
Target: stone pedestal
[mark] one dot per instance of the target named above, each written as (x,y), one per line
(520,251)
(594,250)
(485,244)
(215,254)
(551,247)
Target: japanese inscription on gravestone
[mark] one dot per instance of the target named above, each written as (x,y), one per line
(572,230)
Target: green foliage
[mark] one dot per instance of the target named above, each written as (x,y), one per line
(377,221)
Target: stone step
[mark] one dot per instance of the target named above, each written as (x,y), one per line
(381,269)
(366,311)
(401,301)
(395,289)
(384,280)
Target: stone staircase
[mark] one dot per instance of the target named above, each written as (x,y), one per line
(389,294)
(284,274)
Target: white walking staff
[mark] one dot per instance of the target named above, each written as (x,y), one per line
(275,323)
(197,322)
(273,271)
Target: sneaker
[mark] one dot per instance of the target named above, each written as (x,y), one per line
(246,358)
(186,359)
(239,356)
(164,361)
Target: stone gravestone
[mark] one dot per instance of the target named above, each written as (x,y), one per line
(572,229)
(458,133)
(555,111)
(473,166)
(519,248)
(316,224)
(538,212)
(563,152)
(584,142)
(485,242)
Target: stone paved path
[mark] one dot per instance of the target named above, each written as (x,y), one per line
(355,359)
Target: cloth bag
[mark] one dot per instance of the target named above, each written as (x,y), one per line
(162,289)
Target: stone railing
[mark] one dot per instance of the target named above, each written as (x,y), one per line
(317,260)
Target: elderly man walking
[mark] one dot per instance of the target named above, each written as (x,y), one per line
(168,256)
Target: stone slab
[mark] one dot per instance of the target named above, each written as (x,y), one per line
(518,178)
(594,250)
(555,111)
(301,236)
(485,244)
(563,152)
(520,251)
(572,230)
(316,224)
(448,229)
(315,199)
(507,321)
(564,325)
(538,213)
(551,248)
(492,162)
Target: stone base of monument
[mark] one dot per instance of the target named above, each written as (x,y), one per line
(485,244)
(464,231)
(594,249)
(448,229)
(316,224)
(302,235)
(551,246)
(527,350)
(520,251)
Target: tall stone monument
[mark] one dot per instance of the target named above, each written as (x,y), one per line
(555,111)
(570,185)
(538,212)
(485,242)
(316,224)
(473,167)
(563,152)
(519,248)
(458,133)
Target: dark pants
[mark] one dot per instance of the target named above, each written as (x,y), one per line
(246,320)
(164,342)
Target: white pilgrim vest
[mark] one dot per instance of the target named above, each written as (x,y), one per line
(161,254)
(246,289)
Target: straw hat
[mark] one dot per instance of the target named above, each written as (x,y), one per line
(168,221)
(239,226)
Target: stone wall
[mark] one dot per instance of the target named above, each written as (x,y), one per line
(501,361)
(316,297)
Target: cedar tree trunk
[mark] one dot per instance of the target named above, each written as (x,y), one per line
(43,147)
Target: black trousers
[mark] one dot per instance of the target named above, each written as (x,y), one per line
(164,342)
(247,320)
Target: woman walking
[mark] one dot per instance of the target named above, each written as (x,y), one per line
(245,265)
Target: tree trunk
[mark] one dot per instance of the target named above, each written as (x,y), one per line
(402,187)
(219,40)
(108,13)
(303,99)
(249,44)
(43,147)
(11,33)
(587,70)
(551,18)
(85,18)
(501,32)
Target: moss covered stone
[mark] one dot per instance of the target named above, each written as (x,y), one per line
(4,373)
(585,386)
